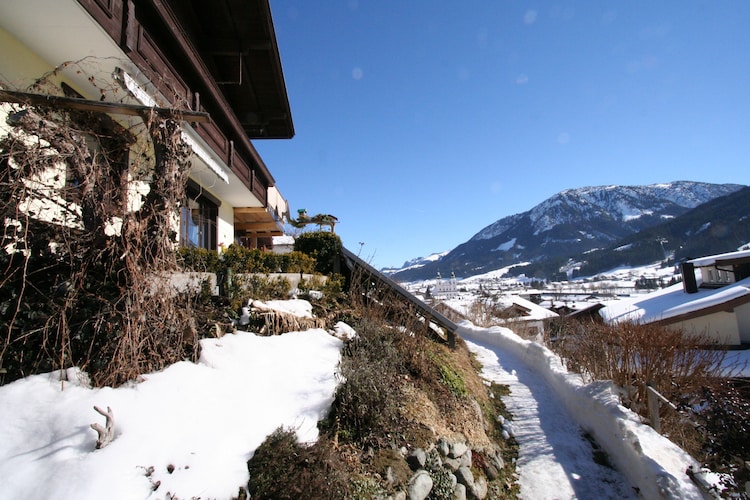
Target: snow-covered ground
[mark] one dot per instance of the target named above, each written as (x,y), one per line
(553,409)
(191,428)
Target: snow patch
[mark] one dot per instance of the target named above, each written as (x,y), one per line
(504,247)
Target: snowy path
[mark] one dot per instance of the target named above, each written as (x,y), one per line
(556,461)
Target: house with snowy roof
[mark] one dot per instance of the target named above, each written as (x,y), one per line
(523,316)
(713,300)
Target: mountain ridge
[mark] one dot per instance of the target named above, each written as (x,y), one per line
(572,222)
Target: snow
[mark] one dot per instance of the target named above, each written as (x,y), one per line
(297,307)
(504,247)
(553,408)
(711,260)
(670,302)
(204,420)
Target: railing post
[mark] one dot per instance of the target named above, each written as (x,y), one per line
(653,408)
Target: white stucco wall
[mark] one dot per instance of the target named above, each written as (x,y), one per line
(743,322)
(19,66)
(720,326)
(225,225)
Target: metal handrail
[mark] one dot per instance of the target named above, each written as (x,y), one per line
(353,261)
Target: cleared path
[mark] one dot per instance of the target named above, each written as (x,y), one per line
(556,459)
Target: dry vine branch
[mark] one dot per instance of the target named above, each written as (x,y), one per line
(66,179)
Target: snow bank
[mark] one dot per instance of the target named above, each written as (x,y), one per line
(650,461)
(187,430)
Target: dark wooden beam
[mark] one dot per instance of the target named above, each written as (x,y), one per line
(99,106)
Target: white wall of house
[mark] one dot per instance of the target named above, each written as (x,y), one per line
(721,327)
(714,276)
(18,65)
(225,225)
(277,202)
(743,322)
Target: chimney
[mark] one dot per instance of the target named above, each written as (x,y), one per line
(689,284)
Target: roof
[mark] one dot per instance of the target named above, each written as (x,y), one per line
(740,257)
(672,304)
(531,310)
(236,41)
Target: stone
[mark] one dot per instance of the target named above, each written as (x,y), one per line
(497,460)
(452,464)
(420,486)
(491,471)
(390,476)
(466,458)
(443,447)
(457,449)
(416,459)
(480,489)
(459,492)
(465,477)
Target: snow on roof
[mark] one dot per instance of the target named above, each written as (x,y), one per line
(535,311)
(671,302)
(711,260)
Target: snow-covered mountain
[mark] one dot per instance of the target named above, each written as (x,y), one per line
(574,221)
(416,263)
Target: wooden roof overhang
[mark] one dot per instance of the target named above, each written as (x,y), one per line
(220,57)
(256,222)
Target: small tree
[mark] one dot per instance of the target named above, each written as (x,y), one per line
(323,245)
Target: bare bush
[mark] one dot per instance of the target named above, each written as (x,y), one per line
(712,410)
(634,355)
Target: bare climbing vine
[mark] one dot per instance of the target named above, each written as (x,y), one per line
(89,206)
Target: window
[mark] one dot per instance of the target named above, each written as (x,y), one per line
(198,219)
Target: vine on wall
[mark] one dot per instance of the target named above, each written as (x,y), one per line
(82,249)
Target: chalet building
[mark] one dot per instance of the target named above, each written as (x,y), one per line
(715,271)
(525,317)
(712,300)
(216,63)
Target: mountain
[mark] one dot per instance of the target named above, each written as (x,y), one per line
(717,226)
(571,223)
(415,263)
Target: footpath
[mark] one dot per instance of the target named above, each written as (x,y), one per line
(575,439)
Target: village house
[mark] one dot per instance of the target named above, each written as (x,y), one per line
(712,300)
(215,65)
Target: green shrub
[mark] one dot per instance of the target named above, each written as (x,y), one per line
(297,262)
(324,246)
(199,260)
(256,286)
(450,377)
(244,260)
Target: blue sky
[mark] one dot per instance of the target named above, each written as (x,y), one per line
(420,122)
